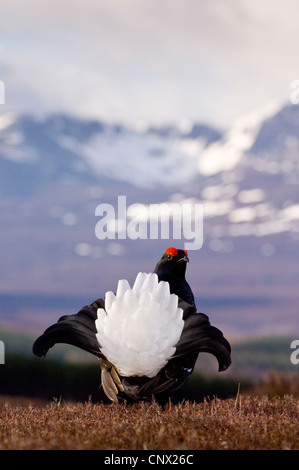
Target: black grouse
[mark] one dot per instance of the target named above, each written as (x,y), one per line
(147,337)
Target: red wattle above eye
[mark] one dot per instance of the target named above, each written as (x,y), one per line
(186,252)
(171,251)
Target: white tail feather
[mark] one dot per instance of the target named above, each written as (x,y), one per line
(140,326)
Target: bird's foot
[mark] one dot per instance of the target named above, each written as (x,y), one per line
(111,382)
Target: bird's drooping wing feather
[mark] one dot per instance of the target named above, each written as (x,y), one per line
(77,330)
(199,336)
(170,379)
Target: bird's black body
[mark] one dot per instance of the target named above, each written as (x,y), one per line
(198,335)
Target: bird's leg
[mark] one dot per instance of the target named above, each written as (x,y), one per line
(110,380)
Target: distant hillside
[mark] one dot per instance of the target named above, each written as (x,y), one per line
(254,358)
(251,356)
(69,372)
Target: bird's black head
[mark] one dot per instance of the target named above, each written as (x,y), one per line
(172,264)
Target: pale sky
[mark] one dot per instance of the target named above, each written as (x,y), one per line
(148,60)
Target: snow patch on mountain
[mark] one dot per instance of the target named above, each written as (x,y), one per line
(144,160)
(6,120)
(225,154)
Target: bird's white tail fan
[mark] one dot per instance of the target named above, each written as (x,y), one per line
(140,326)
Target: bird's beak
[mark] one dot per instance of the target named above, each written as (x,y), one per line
(185,259)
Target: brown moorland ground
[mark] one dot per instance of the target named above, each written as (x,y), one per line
(242,423)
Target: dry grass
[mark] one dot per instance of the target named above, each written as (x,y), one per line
(246,422)
(278,384)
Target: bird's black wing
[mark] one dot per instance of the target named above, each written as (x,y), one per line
(78,330)
(199,335)
(169,380)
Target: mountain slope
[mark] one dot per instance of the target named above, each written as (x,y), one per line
(66,150)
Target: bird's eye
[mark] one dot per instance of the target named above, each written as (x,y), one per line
(168,256)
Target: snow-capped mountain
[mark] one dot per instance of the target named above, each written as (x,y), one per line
(55,170)
(248,180)
(227,153)
(61,148)
(252,175)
